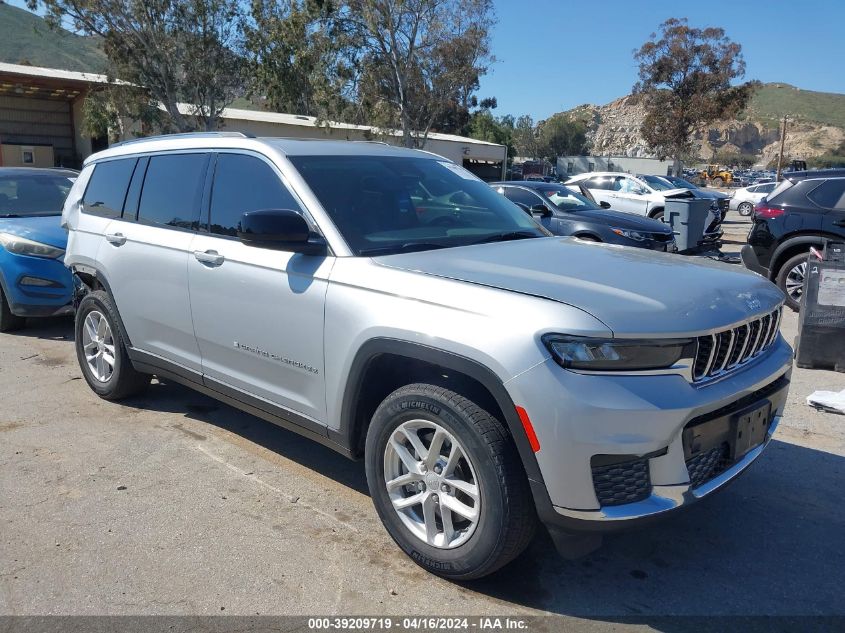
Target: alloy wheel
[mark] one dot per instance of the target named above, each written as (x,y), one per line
(432,484)
(98,345)
(795,281)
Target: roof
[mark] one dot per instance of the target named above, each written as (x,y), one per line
(52,73)
(815,173)
(61,171)
(233,114)
(281,146)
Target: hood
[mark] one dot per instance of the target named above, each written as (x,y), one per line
(622,220)
(45,229)
(706,193)
(635,292)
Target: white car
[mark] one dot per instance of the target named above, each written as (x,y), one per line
(744,200)
(623,192)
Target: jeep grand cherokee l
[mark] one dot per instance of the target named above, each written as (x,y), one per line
(388,304)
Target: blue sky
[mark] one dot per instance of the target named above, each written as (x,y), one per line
(557,54)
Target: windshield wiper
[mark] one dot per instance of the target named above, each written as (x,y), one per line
(407,247)
(506,237)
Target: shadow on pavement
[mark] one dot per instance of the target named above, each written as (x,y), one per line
(771,544)
(174,398)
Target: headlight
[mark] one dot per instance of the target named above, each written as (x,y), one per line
(575,352)
(632,235)
(22,246)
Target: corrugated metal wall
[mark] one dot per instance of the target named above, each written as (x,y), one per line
(31,121)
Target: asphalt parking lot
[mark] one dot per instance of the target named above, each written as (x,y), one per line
(172,503)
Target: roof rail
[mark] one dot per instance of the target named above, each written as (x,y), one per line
(183,135)
(375,142)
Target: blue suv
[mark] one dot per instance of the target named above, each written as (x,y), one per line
(33,279)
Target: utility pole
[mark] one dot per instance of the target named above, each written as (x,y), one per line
(782,142)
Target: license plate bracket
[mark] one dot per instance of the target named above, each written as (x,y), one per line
(749,427)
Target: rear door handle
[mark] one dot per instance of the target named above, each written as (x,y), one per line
(118,239)
(212,258)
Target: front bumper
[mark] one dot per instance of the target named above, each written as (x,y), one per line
(642,417)
(28,299)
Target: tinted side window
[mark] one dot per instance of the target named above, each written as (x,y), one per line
(521,196)
(107,188)
(244,183)
(172,190)
(767,188)
(830,194)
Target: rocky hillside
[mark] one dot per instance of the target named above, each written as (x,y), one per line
(817,125)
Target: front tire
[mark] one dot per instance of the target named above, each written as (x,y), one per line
(745,209)
(9,322)
(447,482)
(657,214)
(101,351)
(790,279)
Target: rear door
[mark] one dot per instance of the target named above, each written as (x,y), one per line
(629,196)
(258,313)
(145,255)
(830,195)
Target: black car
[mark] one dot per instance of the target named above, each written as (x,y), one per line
(564,212)
(805,210)
(722,199)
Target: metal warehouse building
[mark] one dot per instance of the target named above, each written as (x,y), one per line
(41,119)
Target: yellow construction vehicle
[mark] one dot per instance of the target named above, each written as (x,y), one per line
(716,175)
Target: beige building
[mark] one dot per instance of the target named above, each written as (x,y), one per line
(41,119)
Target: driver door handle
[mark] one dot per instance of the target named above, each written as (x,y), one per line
(118,239)
(839,223)
(212,258)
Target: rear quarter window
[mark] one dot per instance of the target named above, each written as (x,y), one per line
(830,194)
(106,190)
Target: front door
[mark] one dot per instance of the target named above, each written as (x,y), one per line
(258,313)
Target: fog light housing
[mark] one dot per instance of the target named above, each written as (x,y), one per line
(26,280)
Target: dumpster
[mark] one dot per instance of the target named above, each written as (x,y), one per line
(821,333)
(688,216)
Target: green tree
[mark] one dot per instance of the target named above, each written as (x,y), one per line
(486,127)
(175,51)
(562,136)
(300,58)
(685,81)
(416,58)
(526,138)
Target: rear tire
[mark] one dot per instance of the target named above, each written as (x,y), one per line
(718,181)
(472,510)
(745,209)
(790,279)
(101,351)
(9,322)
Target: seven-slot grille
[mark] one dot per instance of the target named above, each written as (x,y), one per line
(723,351)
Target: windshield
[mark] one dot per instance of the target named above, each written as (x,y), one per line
(658,183)
(566,199)
(681,183)
(389,204)
(23,195)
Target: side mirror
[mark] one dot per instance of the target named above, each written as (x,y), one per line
(280,229)
(524,207)
(540,210)
(604,204)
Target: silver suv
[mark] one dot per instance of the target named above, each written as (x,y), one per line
(388,304)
